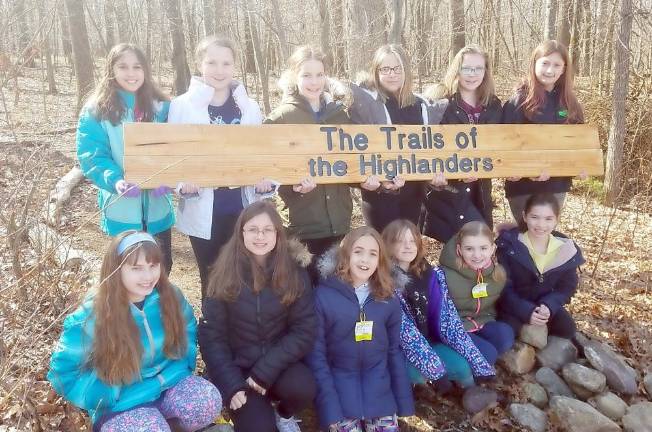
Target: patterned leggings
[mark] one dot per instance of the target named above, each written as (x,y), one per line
(380,424)
(194,402)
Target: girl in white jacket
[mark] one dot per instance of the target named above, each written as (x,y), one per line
(208,215)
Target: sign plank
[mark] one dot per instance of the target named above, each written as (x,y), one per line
(227,155)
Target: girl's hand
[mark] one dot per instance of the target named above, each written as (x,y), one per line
(264,186)
(537,318)
(128,190)
(306,185)
(470,179)
(395,184)
(438,180)
(254,385)
(513,178)
(543,311)
(238,400)
(188,188)
(543,177)
(371,184)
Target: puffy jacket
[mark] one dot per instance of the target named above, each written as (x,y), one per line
(428,303)
(326,210)
(442,214)
(526,287)
(551,113)
(194,216)
(255,335)
(71,377)
(357,380)
(474,312)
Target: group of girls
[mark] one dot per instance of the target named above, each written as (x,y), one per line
(334,316)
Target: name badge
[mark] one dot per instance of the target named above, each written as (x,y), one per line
(363,330)
(479,291)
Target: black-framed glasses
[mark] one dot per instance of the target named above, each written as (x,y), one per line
(466,70)
(386,70)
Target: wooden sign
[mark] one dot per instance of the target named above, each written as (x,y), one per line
(231,155)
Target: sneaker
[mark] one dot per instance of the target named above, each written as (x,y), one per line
(287,424)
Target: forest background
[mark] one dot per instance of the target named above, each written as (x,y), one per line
(51,54)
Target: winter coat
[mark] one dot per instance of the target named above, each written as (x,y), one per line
(357,380)
(100,151)
(326,210)
(552,113)
(443,215)
(72,378)
(370,107)
(255,336)
(474,312)
(195,215)
(527,288)
(426,300)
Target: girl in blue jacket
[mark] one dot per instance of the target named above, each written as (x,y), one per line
(362,382)
(127,354)
(541,267)
(125,94)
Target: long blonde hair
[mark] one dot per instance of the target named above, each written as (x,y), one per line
(117,348)
(478,228)
(450,85)
(405,95)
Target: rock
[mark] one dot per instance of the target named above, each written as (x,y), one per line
(536,394)
(529,416)
(647,383)
(557,353)
(552,383)
(577,416)
(610,405)
(620,376)
(520,359)
(477,398)
(638,418)
(535,335)
(583,380)
(580,392)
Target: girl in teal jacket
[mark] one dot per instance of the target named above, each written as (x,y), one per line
(127,354)
(125,94)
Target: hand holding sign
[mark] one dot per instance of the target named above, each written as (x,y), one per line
(307,185)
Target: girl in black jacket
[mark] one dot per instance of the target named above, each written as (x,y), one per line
(258,323)
(469,88)
(545,96)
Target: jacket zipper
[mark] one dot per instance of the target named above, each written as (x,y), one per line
(258,321)
(367,301)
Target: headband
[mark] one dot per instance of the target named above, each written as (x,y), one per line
(132,239)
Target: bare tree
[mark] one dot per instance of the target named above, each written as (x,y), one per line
(179,61)
(364,22)
(458,32)
(396,28)
(565,22)
(81,49)
(550,19)
(325,29)
(279,30)
(613,179)
(263,73)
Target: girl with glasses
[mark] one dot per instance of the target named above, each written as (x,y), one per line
(258,323)
(469,88)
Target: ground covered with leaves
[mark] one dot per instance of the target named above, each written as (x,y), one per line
(613,303)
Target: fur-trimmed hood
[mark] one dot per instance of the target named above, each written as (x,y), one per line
(299,252)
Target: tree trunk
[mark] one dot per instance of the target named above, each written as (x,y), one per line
(396,28)
(325,30)
(66,44)
(364,24)
(123,18)
(263,73)
(179,62)
(209,17)
(458,32)
(80,48)
(613,173)
(47,52)
(280,30)
(565,23)
(550,20)
(109,24)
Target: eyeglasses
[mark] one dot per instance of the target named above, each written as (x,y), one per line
(472,70)
(386,70)
(266,232)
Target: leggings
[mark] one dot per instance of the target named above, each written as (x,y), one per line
(493,339)
(193,402)
(457,368)
(380,424)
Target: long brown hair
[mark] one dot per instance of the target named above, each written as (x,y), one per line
(117,348)
(486,91)
(288,80)
(535,94)
(381,282)
(477,228)
(405,95)
(107,104)
(235,263)
(394,233)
